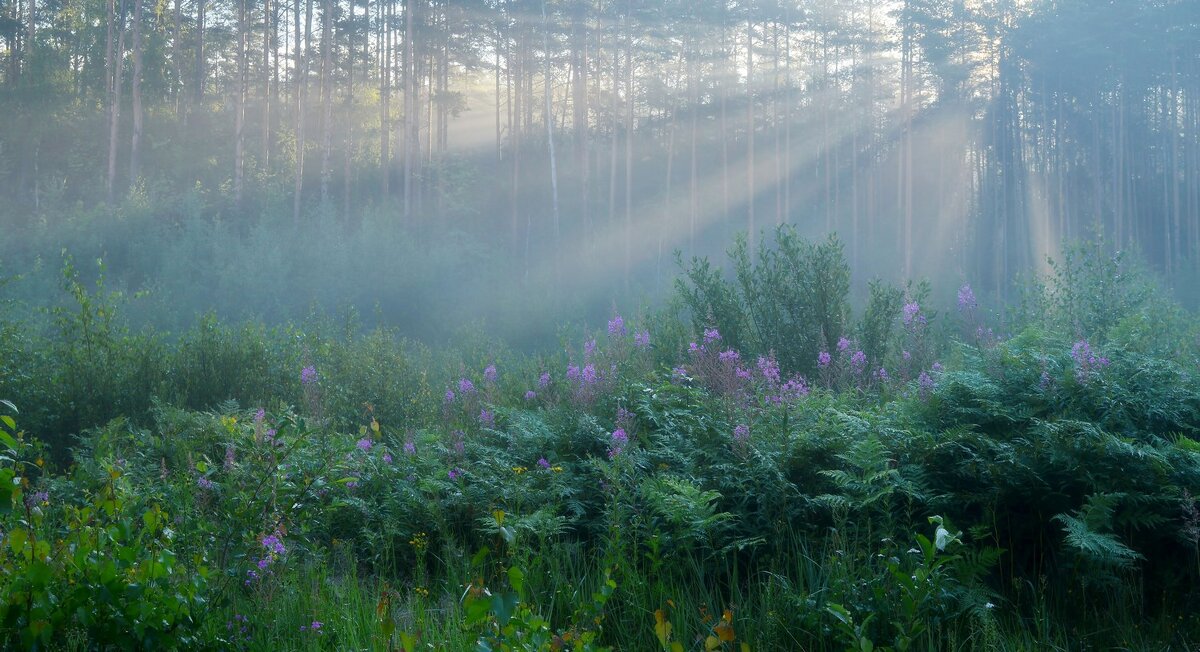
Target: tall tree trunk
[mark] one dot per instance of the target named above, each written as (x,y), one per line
(614,110)
(177,84)
(694,109)
(201,70)
(30,34)
(497,48)
(628,140)
(579,102)
(301,92)
(135,145)
(751,190)
(348,133)
(383,18)
(549,118)
(239,109)
(110,98)
(326,95)
(114,117)
(410,107)
(268,32)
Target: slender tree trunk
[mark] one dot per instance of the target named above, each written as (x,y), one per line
(201,57)
(302,41)
(348,133)
(114,122)
(579,101)
(410,107)
(694,109)
(629,102)
(30,34)
(724,85)
(239,109)
(384,45)
(326,95)
(176,61)
(549,118)
(110,97)
(751,190)
(268,32)
(135,145)
(499,100)
(614,110)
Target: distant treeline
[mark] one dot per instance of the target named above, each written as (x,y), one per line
(934,135)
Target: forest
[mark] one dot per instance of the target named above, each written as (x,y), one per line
(544,325)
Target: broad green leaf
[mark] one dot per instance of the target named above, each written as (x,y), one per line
(17,539)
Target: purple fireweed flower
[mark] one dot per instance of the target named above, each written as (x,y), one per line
(966,298)
(1087,362)
(410,448)
(37,498)
(274,544)
(229,457)
(465,386)
(1081,352)
(544,463)
(624,416)
(616,326)
(741,433)
(742,373)
(530,395)
(263,563)
(572,373)
(460,443)
(204,483)
(387,458)
(364,444)
(619,441)
(490,373)
(1044,381)
(270,434)
(937,368)
(711,335)
(911,311)
(679,373)
(589,375)
(858,362)
(823,359)
(793,389)
(449,396)
(316,624)
(769,369)
(544,380)
(641,339)
(487,419)
(906,355)
(260,415)
(883,376)
(925,384)
(843,345)
(589,347)
(694,348)
(729,356)
(455,473)
(308,375)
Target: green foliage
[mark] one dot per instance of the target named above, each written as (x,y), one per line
(734,514)
(789,298)
(102,565)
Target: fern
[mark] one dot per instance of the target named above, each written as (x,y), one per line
(1099,547)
